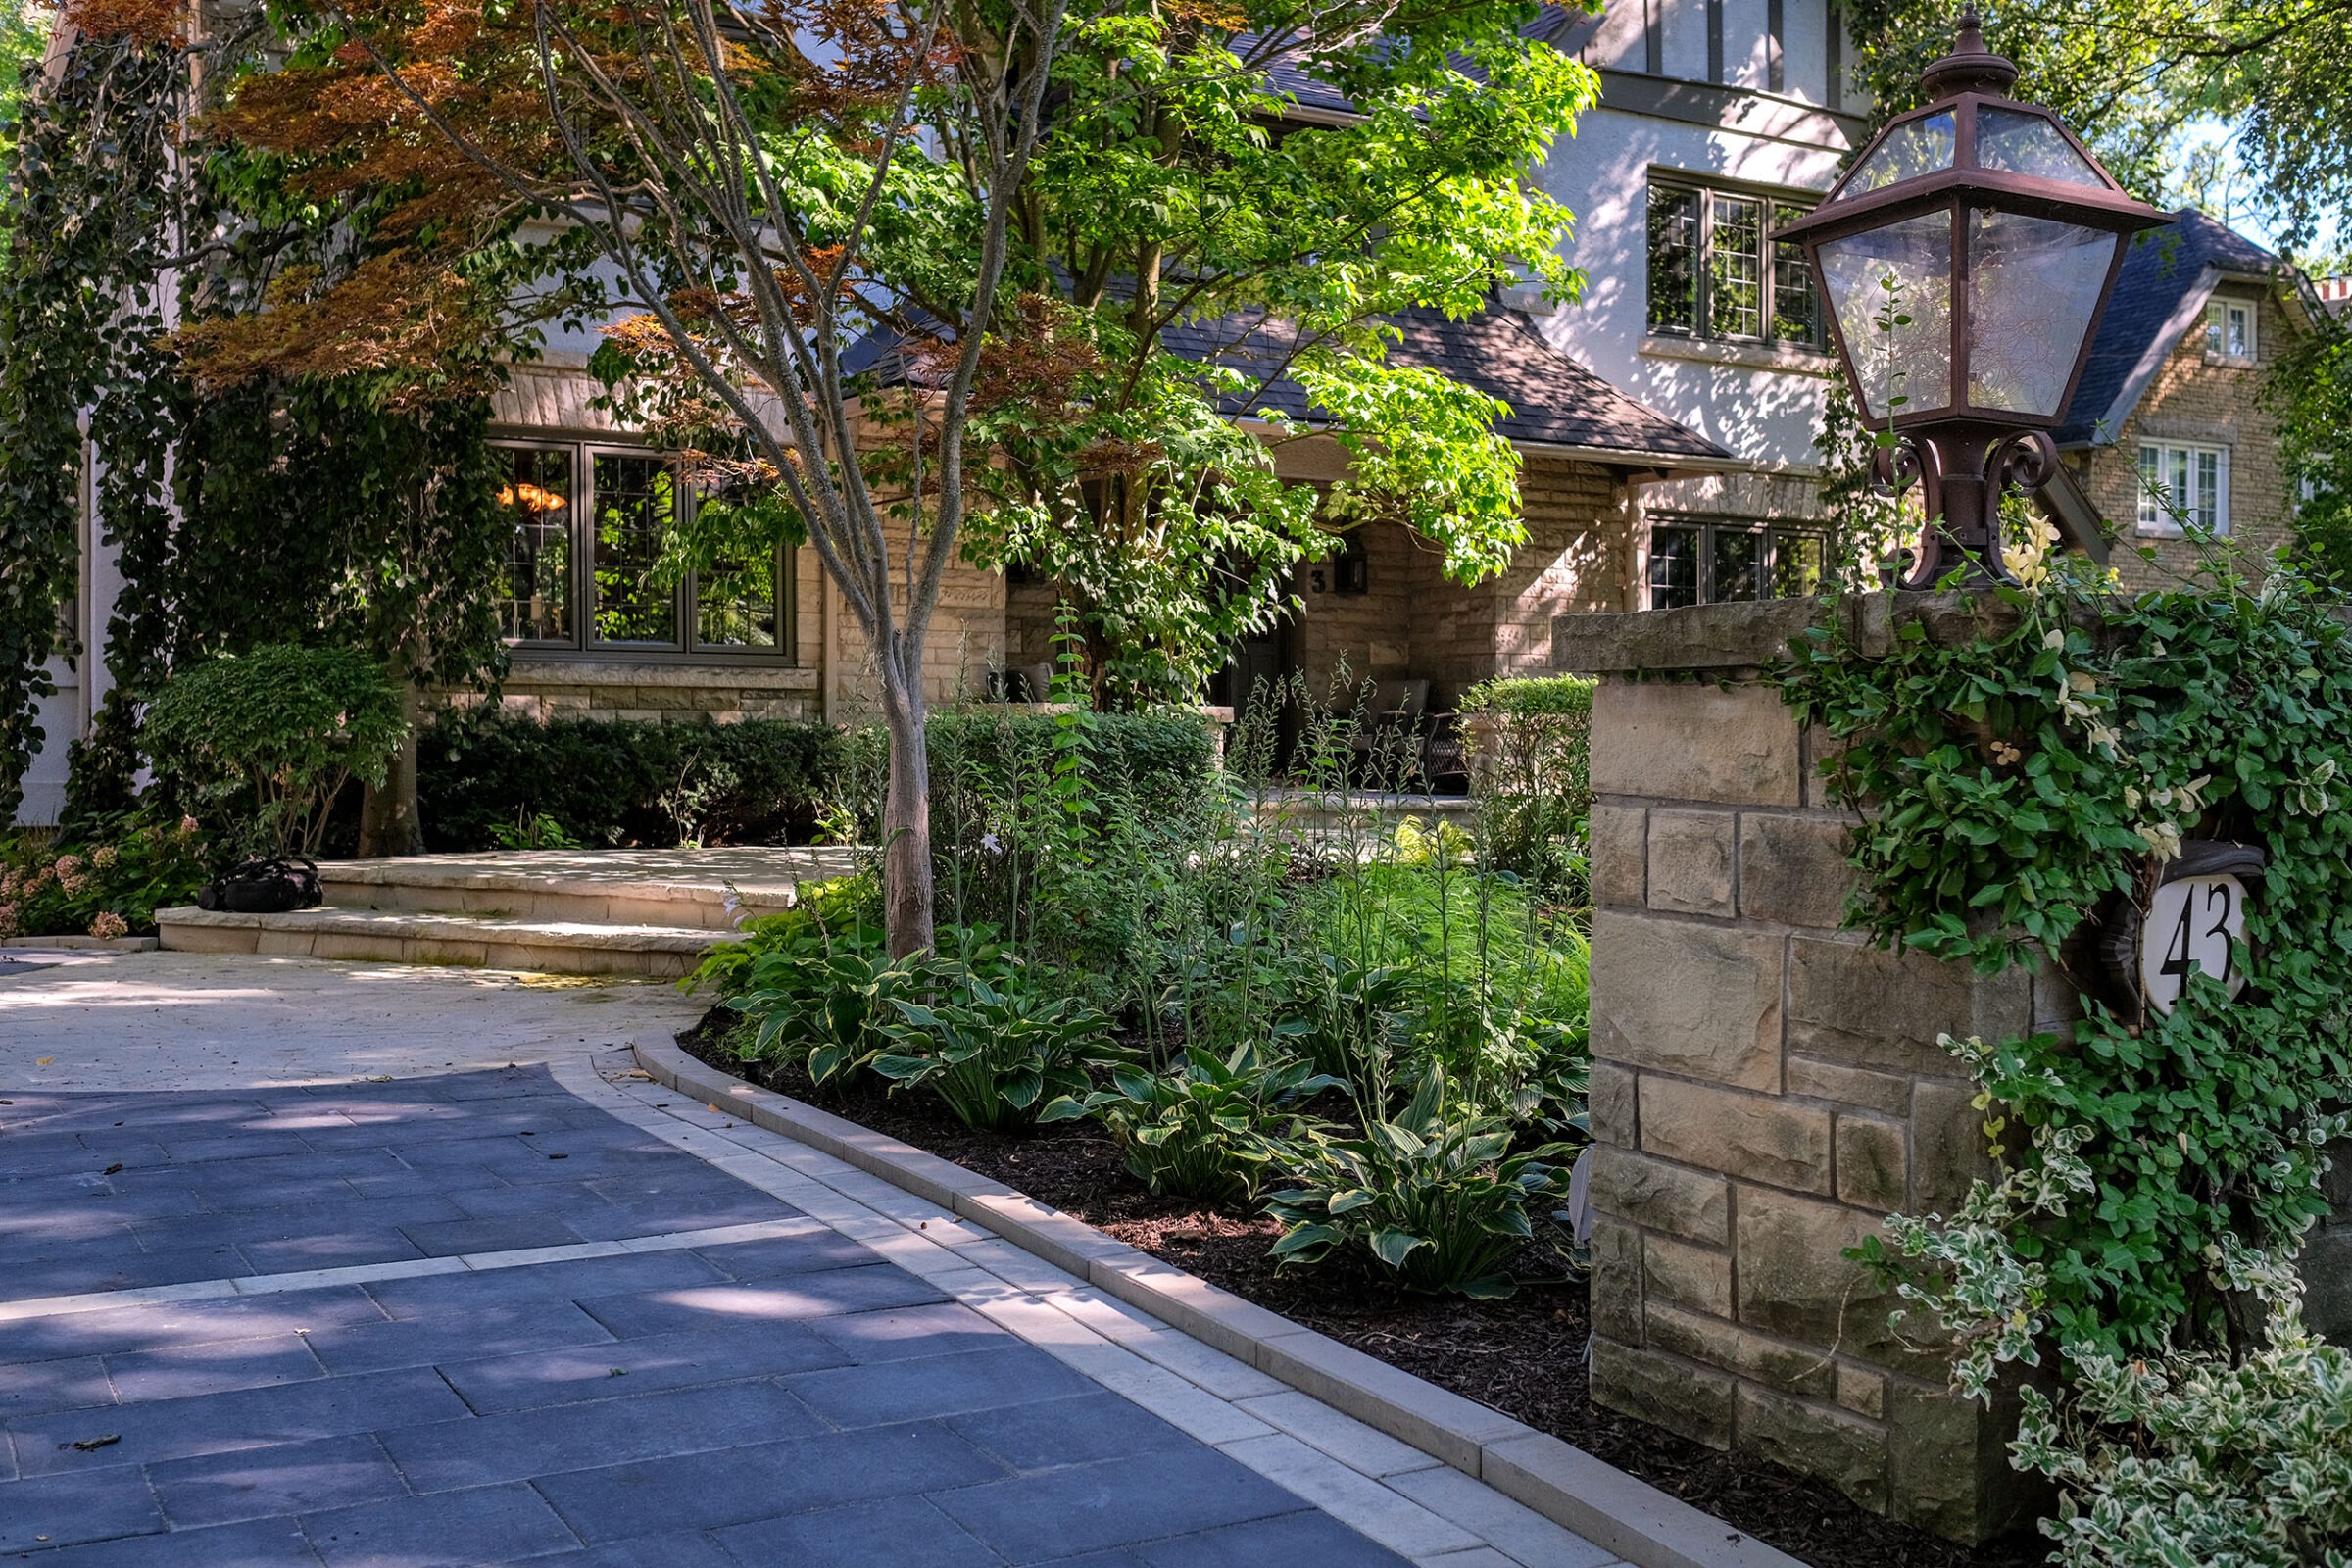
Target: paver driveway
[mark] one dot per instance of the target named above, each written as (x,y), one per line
(472,1390)
(412,1304)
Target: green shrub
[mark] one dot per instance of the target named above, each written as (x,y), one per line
(1208,1127)
(1000,1052)
(1529,746)
(109,882)
(486,778)
(271,736)
(1434,1195)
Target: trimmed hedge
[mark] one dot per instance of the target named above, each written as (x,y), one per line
(607,783)
(1162,761)
(485,777)
(1529,743)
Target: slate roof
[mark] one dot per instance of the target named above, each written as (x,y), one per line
(2161,270)
(1553,400)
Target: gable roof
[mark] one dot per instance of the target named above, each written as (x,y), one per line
(1555,402)
(2160,294)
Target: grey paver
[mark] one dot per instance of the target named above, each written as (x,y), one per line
(903,1533)
(1088,1507)
(736,1486)
(59,1511)
(540,1378)
(908,1390)
(550,1441)
(180,1372)
(281,1479)
(1082,1430)
(1297,1539)
(804,1296)
(222,1423)
(256,1544)
(459,1529)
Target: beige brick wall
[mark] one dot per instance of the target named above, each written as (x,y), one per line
(2195,400)
(1766,1090)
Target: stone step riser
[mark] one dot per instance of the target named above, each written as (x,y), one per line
(659,952)
(691,908)
(456,952)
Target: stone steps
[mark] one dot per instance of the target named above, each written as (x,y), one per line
(648,913)
(476,939)
(419,886)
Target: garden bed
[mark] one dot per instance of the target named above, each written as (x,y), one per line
(1523,1356)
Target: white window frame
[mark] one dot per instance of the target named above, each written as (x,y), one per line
(2222,317)
(2177,465)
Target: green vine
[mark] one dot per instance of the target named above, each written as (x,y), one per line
(2023,760)
(96,203)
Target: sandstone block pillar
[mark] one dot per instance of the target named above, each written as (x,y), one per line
(1766,1087)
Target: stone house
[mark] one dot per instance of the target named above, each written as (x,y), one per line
(2168,436)
(1665,421)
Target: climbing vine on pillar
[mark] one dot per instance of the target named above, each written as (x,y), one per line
(2157,1176)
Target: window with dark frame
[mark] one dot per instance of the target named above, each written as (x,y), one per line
(581,564)
(1718,272)
(1712,563)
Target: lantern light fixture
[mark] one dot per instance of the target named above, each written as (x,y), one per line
(1966,259)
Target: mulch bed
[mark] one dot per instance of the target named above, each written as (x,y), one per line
(1523,1356)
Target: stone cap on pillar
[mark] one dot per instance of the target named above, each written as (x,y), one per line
(1756,634)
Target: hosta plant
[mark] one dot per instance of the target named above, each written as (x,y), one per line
(1208,1126)
(1002,1055)
(1435,1194)
(826,1000)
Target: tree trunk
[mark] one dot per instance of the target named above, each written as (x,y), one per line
(907,885)
(388,823)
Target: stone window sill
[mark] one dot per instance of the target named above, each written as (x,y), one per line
(1755,356)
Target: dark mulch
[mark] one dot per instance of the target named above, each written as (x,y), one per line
(1523,1356)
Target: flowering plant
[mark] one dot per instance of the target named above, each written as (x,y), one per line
(108,887)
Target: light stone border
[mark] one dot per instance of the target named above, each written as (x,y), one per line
(1596,1501)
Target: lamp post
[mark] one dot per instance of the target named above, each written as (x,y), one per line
(1966,258)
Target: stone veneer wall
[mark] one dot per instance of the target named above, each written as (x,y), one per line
(1766,1087)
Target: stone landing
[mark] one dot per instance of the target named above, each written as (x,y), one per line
(649,912)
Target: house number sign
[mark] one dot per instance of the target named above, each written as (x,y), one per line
(2188,923)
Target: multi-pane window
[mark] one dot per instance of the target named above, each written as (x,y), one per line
(1717,269)
(2229,330)
(584,563)
(1715,562)
(2183,486)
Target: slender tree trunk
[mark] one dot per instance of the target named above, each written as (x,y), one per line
(907,895)
(388,821)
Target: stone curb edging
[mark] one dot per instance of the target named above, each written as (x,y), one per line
(1608,1508)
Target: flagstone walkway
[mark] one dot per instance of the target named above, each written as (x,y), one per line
(313,1263)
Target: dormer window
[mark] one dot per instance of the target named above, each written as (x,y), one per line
(2229,331)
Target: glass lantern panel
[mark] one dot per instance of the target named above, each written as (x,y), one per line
(2028,144)
(1892,290)
(1918,147)
(2033,287)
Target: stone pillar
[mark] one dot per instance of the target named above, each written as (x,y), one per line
(1766,1087)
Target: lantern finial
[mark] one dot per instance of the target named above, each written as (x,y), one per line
(1971,67)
